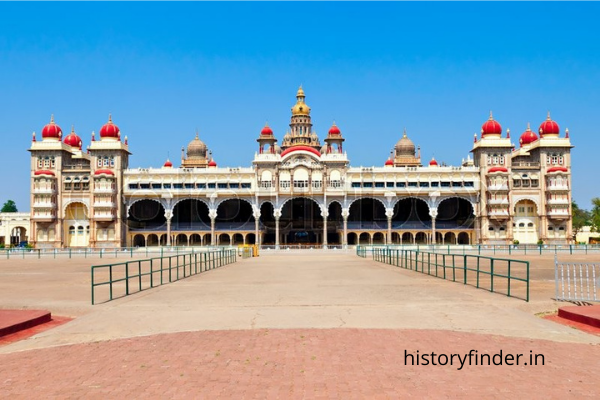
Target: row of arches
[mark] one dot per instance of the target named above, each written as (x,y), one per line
(194,214)
(192,239)
(409,238)
(299,220)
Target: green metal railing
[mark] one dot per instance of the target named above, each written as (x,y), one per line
(125,278)
(497,275)
(101,252)
(490,249)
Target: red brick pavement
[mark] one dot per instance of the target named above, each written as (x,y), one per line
(297,363)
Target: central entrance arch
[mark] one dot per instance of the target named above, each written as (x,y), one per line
(301,222)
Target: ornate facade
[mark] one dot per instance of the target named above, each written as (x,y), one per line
(302,191)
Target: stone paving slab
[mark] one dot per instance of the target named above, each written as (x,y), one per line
(300,363)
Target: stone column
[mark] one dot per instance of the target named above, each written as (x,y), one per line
(168,216)
(345,214)
(433,214)
(212,214)
(389,213)
(256,215)
(277,215)
(324,214)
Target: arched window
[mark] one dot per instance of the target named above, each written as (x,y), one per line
(80,230)
(530,225)
(71,230)
(112,161)
(40,162)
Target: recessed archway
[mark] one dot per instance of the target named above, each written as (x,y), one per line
(301,221)
(190,215)
(463,238)
(181,240)
(421,238)
(352,238)
(411,213)
(139,241)
(455,213)
(364,238)
(152,240)
(195,240)
(146,215)
(76,225)
(335,223)
(378,238)
(367,213)
(234,214)
(267,220)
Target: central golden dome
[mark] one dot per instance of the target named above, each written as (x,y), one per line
(300,108)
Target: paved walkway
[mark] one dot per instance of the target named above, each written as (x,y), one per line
(266,327)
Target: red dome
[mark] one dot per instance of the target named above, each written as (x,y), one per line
(104,172)
(304,148)
(73,140)
(491,127)
(549,127)
(110,130)
(52,130)
(389,162)
(212,163)
(266,131)
(168,164)
(557,169)
(497,169)
(334,130)
(528,136)
(433,162)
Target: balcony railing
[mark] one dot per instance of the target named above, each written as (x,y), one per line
(525,164)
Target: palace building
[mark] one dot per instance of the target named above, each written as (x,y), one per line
(300,190)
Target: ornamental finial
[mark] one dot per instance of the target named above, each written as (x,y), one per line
(110,118)
(491,116)
(548,118)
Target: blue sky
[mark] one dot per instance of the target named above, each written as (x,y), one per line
(164,70)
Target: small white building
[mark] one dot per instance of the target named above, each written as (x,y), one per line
(14,227)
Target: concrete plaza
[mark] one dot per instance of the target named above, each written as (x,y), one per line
(289,324)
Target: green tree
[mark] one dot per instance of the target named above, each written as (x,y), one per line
(595,214)
(581,218)
(9,206)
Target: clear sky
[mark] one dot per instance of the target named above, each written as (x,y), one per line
(164,70)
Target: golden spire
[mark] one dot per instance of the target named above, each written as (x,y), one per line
(528,127)
(548,118)
(491,116)
(52,118)
(197,138)
(110,118)
(404,134)
(73,129)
